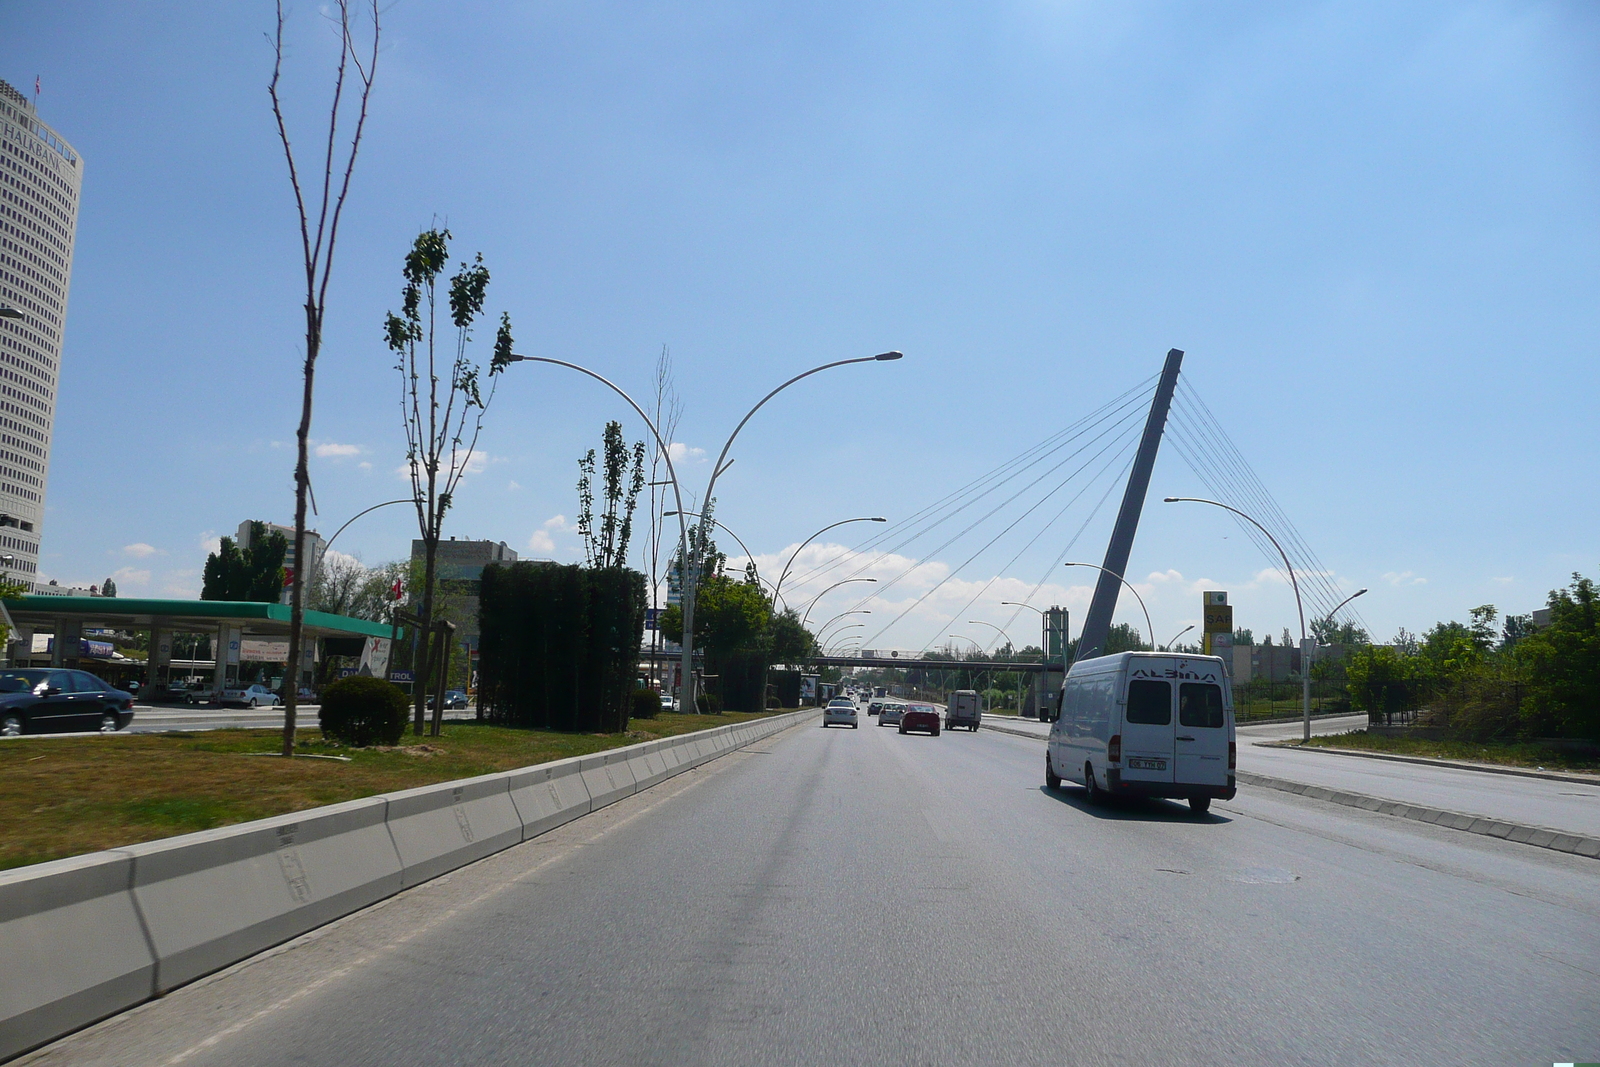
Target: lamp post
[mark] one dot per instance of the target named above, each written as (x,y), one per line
(858,611)
(992,626)
(842,522)
(825,592)
(1305,679)
(689,576)
(1335,611)
(1177,635)
(1149,626)
(853,626)
(718,522)
(9,312)
(687,667)
(1044,652)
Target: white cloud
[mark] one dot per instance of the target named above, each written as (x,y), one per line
(210,542)
(1502,581)
(139,550)
(680,451)
(513,485)
(541,541)
(334,450)
(131,576)
(1403,578)
(364,465)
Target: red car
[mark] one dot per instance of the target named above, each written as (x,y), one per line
(920,717)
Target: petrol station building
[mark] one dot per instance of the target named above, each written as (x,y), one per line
(241,632)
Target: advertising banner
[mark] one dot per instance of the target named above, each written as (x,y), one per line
(374,657)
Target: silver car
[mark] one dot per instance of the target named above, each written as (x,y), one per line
(890,715)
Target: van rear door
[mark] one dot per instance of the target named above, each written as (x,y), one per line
(1147,731)
(1202,739)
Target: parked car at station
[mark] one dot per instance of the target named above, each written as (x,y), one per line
(920,717)
(38,701)
(250,696)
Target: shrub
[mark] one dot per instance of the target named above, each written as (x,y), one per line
(362,711)
(646,703)
(708,703)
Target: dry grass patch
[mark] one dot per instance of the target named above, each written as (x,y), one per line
(70,795)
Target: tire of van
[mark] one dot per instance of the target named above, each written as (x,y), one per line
(1052,780)
(1091,789)
(1199,805)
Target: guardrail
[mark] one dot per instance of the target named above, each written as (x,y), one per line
(86,937)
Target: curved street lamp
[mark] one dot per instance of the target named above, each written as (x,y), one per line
(687,693)
(825,592)
(1150,627)
(853,626)
(819,533)
(1044,652)
(751,556)
(1180,633)
(823,628)
(992,626)
(1305,679)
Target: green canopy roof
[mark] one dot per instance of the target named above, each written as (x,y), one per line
(203,615)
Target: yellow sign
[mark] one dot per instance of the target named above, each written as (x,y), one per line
(1219,619)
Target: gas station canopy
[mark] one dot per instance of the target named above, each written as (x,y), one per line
(181,616)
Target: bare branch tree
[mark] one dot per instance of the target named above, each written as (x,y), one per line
(668,410)
(319,231)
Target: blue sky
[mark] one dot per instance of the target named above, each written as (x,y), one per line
(1372,227)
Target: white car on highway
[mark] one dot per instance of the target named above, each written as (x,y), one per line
(841,710)
(890,715)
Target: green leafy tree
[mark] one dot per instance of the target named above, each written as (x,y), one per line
(1380,679)
(442,402)
(249,574)
(1561,663)
(108,587)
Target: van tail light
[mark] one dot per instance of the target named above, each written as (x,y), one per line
(1114,749)
(1233,755)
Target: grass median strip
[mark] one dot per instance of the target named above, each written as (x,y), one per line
(1530,754)
(71,795)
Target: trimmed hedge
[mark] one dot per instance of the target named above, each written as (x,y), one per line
(362,711)
(559,646)
(646,703)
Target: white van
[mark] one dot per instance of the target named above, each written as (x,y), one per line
(965,709)
(1145,724)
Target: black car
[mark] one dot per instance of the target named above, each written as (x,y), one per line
(41,701)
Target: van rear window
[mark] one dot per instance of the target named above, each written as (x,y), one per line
(1200,704)
(1149,702)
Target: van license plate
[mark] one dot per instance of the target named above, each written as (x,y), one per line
(1137,764)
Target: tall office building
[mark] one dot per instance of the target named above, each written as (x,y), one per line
(40,178)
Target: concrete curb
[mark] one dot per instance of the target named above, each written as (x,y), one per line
(1428,761)
(1539,836)
(1542,837)
(86,937)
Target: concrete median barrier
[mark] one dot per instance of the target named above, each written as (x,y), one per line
(72,949)
(84,938)
(548,796)
(213,898)
(437,828)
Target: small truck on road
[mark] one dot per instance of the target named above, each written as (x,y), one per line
(965,709)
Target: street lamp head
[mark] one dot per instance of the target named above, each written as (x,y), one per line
(13,313)
(1169,500)
(1357,593)
(878,520)
(885,356)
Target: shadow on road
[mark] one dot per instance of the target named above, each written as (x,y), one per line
(1132,809)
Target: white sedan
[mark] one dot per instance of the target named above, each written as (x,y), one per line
(250,696)
(841,710)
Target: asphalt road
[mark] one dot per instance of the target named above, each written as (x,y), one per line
(859,897)
(1572,807)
